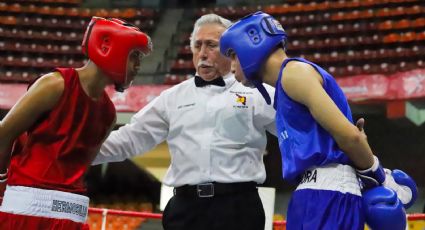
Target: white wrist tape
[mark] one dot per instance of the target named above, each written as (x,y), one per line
(373,168)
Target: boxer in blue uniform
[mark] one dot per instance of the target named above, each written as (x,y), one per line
(322,150)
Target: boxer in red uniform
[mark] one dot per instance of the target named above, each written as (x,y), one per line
(57,128)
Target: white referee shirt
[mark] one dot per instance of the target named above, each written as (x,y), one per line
(213,133)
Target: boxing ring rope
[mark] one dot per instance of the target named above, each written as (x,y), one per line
(105,212)
(411,217)
(416,216)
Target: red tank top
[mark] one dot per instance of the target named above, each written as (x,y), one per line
(58,150)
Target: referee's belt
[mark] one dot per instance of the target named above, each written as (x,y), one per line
(214,189)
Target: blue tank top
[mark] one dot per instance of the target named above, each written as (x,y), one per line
(303,142)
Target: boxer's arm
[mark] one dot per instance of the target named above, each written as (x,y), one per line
(40,98)
(303,84)
(396,179)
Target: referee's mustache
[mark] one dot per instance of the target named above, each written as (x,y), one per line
(205,64)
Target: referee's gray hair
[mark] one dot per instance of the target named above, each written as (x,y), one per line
(208,19)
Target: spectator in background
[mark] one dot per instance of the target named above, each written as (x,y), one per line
(61,123)
(216,132)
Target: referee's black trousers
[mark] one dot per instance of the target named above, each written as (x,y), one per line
(236,211)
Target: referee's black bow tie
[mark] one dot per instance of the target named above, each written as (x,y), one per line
(199,82)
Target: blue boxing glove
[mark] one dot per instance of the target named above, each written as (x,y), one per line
(383,210)
(373,176)
(397,180)
(403,185)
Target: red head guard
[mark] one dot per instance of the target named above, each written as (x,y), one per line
(108,43)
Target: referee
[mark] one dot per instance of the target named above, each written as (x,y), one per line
(216,131)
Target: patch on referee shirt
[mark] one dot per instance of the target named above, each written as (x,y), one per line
(241,101)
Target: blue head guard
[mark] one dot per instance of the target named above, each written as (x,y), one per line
(253,39)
